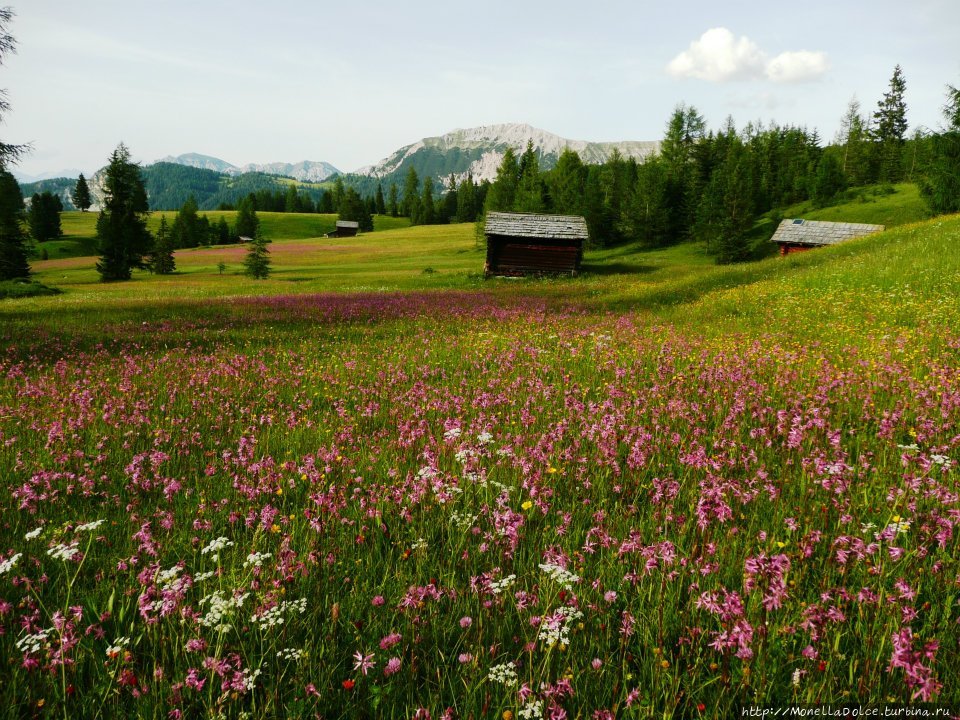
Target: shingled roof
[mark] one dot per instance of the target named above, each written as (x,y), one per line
(348,224)
(820,232)
(525,225)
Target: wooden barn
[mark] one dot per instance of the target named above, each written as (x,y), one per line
(797,235)
(345,228)
(527,244)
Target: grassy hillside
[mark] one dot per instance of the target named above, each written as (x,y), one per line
(878,205)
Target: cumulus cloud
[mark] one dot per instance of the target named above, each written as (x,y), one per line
(719,56)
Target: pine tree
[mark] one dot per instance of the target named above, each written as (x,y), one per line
(646,216)
(257,263)
(43,217)
(853,138)
(393,205)
(8,153)
(161,260)
(354,208)
(247,221)
(223,231)
(890,128)
(381,205)
(448,207)
(187,230)
(291,203)
(467,200)
(567,182)
(503,191)
(81,195)
(13,251)
(121,227)
(829,180)
(940,186)
(530,191)
(410,205)
(428,213)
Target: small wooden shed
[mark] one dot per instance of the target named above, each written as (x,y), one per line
(527,244)
(345,228)
(797,235)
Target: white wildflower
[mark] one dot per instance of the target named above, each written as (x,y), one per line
(533,710)
(418,544)
(484,438)
(32,643)
(560,575)
(290,654)
(203,576)
(555,628)
(452,434)
(221,608)
(256,559)
(8,564)
(498,586)
(943,461)
(215,546)
(795,679)
(277,614)
(64,552)
(118,645)
(34,533)
(90,526)
(505,674)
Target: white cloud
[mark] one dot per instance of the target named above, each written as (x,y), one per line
(799,66)
(719,56)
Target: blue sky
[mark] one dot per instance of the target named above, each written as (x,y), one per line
(349,82)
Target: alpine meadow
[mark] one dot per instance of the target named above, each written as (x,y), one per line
(503,426)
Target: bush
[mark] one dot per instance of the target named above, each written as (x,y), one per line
(24,288)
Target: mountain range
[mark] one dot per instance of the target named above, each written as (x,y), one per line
(475,151)
(304,171)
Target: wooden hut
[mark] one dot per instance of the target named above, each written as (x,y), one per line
(797,235)
(526,244)
(345,228)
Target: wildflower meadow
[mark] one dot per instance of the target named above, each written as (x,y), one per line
(511,501)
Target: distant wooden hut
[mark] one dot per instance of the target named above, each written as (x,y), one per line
(797,235)
(345,228)
(526,244)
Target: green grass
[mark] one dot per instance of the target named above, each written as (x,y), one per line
(80,228)
(871,204)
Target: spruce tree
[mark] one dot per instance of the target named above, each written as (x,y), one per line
(121,227)
(940,186)
(853,138)
(411,196)
(43,217)
(161,260)
(247,221)
(393,204)
(567,182)
(890,128)
(829,180)
(503,191)
(467,200)
(354,208)
(428,214)
(8,153)
(13,251)
(223,231)
(81,195)
(257,263)
(187,230)
(381,204)
(530,192)
(291,203)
